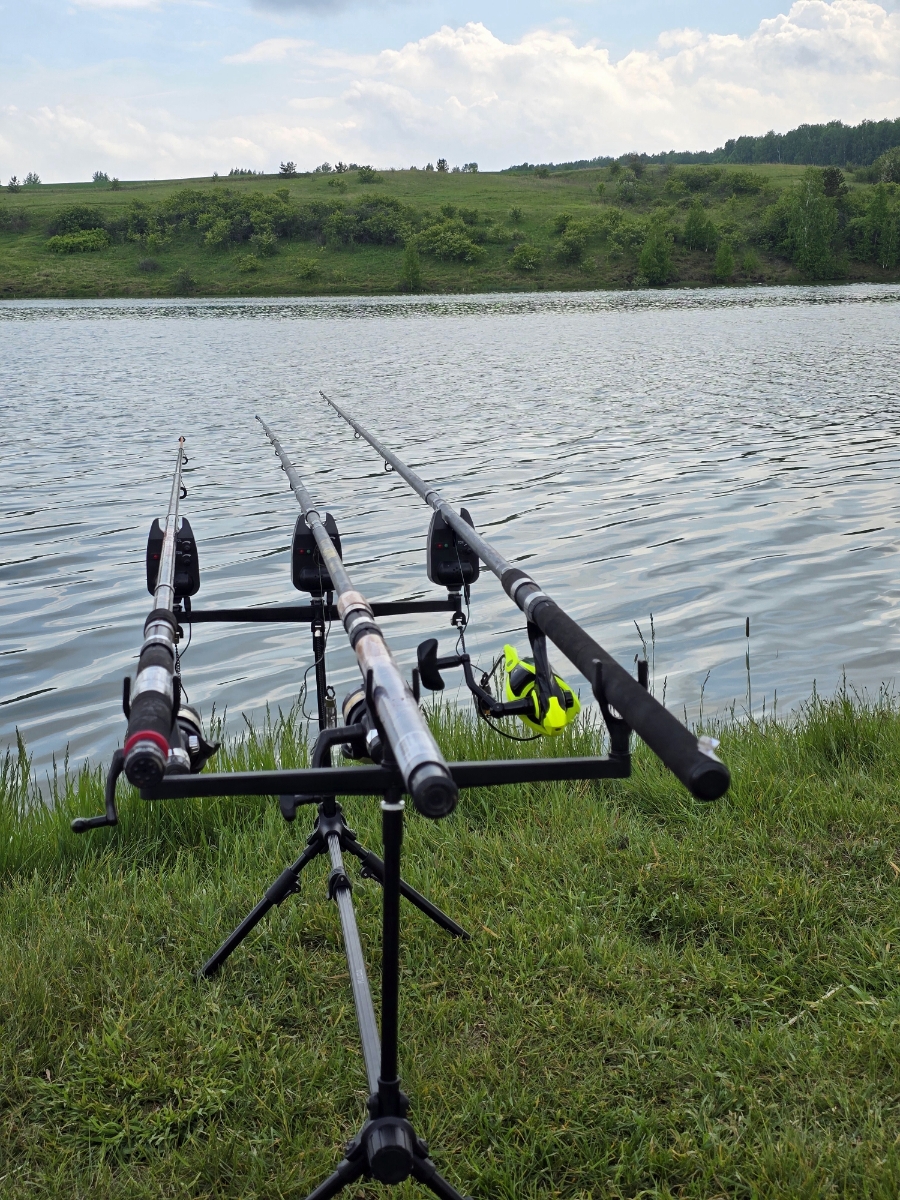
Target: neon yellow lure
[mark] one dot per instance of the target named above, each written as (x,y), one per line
(560,709)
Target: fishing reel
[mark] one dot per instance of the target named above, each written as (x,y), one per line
(534,693)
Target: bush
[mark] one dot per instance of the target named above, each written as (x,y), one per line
(246,263)
(745,182)
(369,175)
(14,185)
(601,188)
(114,184)
(339,185)
(573,241)
(309,270)
(542,172)
(183,282)
(515,214)
(526,258)
(469,216)
(449,211)
(79,243)
(699,231)
(450,240)
(149,265)
(833,182)
(411,274)
(655,262)
(13,220)
(724,265)
(76,218)
(264,243)
(561,222)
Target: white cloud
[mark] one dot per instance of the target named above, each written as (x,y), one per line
(271,50)
(467,95)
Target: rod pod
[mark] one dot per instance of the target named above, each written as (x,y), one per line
(687,757)
(426,775)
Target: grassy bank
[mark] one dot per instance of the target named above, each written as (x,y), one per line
(659,999)
(338,235)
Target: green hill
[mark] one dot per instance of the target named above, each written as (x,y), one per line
(358,233)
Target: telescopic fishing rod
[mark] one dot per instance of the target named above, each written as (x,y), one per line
(426,775)
(690,759)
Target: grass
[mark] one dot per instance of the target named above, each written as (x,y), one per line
(184,266)
(659,1000)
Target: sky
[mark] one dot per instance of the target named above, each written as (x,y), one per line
(147,89)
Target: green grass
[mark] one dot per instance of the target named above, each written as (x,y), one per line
(29,269)
(641,1012)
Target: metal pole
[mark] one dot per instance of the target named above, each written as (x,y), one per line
(153,693)
(691,760)
(426,775)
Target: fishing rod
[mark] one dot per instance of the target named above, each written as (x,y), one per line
(690,759)
(426,775)
(151,702)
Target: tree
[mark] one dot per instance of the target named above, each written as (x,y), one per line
(526,258)
(470,168)
(114,184)
(100,177)
(833,182)
(288,170)
(442,165)
(13,185)
(324,169)
(429,166)
(699,231)
(32,179)
(411,274)
(881,229)
(655,262)
(724,266)
(812,226)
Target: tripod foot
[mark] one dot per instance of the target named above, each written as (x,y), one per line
(351,1169)
(426,1172)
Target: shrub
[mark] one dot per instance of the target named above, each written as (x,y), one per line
(247,263)
(696,179)
(655,262)
(724,265)
(561,222)
(369,175)
(469,216)
(339,185)
(699,232)
(542,172)
(745,182)
(411,273)
(615,169)
(449,211)
(264,243)
(183,282)
(573,241)
(114,184)
(601,188)
(526,258)
(14,185)
(79,243)
(626,190)
(450,240)
(13,220)
(750,262)
(309,270)
(149,265)
(635,164)
(515,214)
(76,218)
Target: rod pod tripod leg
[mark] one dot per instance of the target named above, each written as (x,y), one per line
(387,1148)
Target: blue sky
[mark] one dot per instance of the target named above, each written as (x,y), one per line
(163,88)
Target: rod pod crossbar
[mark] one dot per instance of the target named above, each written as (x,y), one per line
(689,759)
(425,773)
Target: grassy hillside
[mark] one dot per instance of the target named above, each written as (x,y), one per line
(337,235)
(660,999)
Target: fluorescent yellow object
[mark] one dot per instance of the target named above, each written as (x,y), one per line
(559,710)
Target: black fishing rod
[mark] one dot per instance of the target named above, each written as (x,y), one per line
(152,700)
(426,775)
(687,757)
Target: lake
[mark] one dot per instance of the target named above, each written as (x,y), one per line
(704,456)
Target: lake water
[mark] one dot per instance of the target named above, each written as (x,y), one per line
(704,456)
